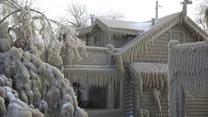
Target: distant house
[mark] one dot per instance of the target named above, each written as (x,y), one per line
(115,32)
(132,79)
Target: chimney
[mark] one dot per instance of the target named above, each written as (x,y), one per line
(153,21)
(92,18)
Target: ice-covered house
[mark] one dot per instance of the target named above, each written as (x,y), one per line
(115,32)
(131,79)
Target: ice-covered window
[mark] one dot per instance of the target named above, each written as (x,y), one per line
(178,35)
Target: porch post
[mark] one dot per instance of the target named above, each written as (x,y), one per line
(173,99)
(137,85)
(137,99)
(109,38)
(121,94)
(181,102)
(110,96)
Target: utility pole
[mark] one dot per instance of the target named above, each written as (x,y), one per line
(156,11)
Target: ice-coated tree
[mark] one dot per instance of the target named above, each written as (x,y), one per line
(200,13)
(30,87)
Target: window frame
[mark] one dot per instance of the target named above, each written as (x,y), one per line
(179,32)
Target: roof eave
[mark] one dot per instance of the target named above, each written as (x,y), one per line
(125,31)
(195,29)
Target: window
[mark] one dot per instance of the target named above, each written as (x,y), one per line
(177,35)
(95,40)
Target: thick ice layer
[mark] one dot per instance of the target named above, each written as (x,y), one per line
(30,83)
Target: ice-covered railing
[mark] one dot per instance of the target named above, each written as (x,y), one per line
(95,68)
(92,56)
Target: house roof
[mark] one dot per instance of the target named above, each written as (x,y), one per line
(117,26)
(130,50)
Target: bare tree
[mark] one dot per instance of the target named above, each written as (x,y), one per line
(77,15)
(112,14)
(200,13)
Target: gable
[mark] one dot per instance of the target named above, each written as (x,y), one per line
(157,50)
(139,45)
(129,52)
(116,26)
(184,36)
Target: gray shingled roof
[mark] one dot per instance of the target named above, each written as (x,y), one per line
(117,26)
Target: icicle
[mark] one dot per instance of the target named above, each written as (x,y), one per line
(157,97)
(92,76)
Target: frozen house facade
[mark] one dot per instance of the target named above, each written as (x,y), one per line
(125,71)
(116,32)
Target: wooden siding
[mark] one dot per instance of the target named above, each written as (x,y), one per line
(189,37)
(90,40)
(148,102)
(117,39)
(102,36)
(196,107)
(157,51)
